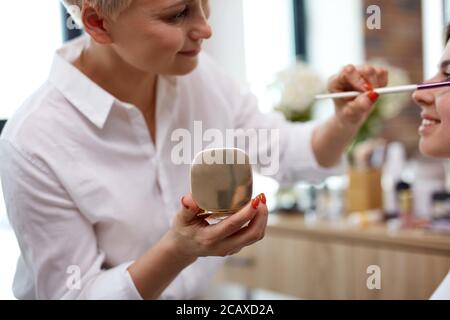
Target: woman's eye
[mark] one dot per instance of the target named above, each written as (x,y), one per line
(179,16)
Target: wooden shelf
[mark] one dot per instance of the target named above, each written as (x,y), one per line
(329,260)
(378,234)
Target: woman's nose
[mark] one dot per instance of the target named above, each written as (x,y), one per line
(201,29)
(423,98)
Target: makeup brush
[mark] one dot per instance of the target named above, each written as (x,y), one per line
(387,90)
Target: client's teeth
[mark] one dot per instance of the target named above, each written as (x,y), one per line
(427,122)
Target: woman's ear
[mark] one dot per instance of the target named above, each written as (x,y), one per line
(94,25)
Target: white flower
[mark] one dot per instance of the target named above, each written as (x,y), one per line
(298,85)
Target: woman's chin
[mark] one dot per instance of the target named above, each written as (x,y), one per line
(433,150)
(186,67)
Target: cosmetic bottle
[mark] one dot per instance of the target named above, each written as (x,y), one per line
(440,205)
(392,172)
(405,203)
(429,177)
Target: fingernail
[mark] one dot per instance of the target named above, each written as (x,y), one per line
(373,96)
(262,196)
(367,86)
(184,205)
(255,203)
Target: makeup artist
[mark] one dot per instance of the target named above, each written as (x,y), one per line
(90,188)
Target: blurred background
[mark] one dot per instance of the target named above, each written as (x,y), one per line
(391,210)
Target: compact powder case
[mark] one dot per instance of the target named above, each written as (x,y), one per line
(221,181)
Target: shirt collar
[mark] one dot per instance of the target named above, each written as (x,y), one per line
(89,98)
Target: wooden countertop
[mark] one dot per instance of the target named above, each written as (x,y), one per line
(295,225)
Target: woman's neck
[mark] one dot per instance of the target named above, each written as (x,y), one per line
(103,66)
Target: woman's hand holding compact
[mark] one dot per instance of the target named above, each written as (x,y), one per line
(192,236)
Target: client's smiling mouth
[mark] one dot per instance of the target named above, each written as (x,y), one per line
(428,123)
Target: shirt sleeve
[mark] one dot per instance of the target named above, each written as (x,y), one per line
(58,244)
(289,144)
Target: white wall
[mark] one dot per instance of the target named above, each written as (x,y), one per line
(335,38)
(337,29)
(269,44)
(227,43)
(29,32)
(432,35)
(253,39)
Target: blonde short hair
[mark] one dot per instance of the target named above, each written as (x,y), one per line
(108,8)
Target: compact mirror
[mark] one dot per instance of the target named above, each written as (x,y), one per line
(221,181)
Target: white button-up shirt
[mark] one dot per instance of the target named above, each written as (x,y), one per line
(87,191)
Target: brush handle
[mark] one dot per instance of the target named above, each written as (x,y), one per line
(433,85)
(387,90)
(352,94)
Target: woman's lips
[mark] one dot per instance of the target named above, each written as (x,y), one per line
(429,116)
(428,124)
(191,53)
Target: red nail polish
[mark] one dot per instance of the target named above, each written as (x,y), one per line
(367,86)
(255,203)
(373,96)
(262,196)
(185,206)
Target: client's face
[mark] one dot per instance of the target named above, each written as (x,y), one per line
(162,36)
(435,104)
